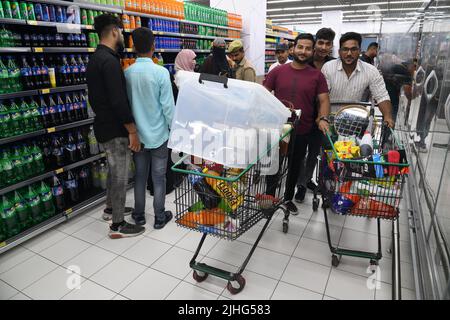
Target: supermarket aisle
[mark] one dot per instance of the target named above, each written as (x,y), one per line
(156,265)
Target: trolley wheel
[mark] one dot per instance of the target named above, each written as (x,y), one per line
(316,204)
(373,265)
(335,261)
(197,277)
(285,227)
(240,281)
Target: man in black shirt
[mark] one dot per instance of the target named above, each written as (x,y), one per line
(114,124)
(322,54)
(371,53)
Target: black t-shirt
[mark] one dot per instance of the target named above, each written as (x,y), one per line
(395,77)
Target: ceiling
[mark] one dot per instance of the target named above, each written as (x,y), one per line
(291,12)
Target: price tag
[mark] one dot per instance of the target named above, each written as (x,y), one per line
(183,35)
(45,91)
(69,211)
(2,244)
(89,27)
(38,49)
(162,50)
(91,49)
(32,23)
(59,171)
(51,130)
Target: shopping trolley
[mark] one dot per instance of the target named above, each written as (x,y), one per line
(241,198)
(359,187)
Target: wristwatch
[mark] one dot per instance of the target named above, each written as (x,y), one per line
(324,118)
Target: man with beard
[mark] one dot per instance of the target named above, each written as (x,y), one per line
(114,124)
(244,69)
(322,54)
(301,85)
(348,77)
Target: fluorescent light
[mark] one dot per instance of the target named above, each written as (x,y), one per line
(290,19)
(295,14)
(343,6)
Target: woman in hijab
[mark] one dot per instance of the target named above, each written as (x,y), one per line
(185,61)
(218,64)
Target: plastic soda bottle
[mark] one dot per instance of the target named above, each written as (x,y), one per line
(16,118)
(103,176)
(71,149)
(27,117)
(14,75)
(95,175)
(61,109)
(17,162)
(58,193)
(92,141)
(58,152)
(23,10)
(28,162)
(22,211)
(71,185)
(5,121)
(7,9)
(47,200)
(82,148)
(30,11)
(35,115)
(38,160)
(34,203)
(7,168)
(9,216)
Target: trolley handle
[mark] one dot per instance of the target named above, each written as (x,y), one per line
(213,78)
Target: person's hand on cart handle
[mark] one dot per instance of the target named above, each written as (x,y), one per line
(324,124)
(390,122)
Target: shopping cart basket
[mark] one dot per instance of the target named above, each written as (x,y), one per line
(361,187)
(228,204)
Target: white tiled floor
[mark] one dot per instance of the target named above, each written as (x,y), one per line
(296,265)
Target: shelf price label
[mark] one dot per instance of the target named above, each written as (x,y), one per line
(38,49)
(2,244)
(91,49)
(69,211)
(162,50)
(51,130)
(32,23)
(59,171)
(45,91)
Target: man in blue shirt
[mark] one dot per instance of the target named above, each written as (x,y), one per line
(151,98)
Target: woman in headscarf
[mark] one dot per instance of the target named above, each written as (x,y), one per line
(185,61)
(218,64)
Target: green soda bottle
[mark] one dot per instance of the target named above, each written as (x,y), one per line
(14,75)
(5,121)
(7,168)
(27,162)
(7,9)
(38,159)
(9,217)
(2,15)
(90,17)
(4,79)
(30,10)
(84,17)
(36,116)
(15,10)
(27,117)
(34,203)
(22,211)
(23,10)
(17,162)
(47,200)
(16,118)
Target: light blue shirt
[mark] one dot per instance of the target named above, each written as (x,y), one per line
(150,93)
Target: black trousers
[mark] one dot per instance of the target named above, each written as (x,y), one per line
(307,169)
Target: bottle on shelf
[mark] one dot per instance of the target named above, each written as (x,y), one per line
(27,161)
(85,182)
(35,114)
(26,75)
(47,200)
(74,71)
(38,159)
(55,116)
(9,217)
(35,204)
(17,124)
(44,74)
(103,176)
(15,10)
(92,141)
(61,109)
(82,148)
(71,186)
(14,75)
(58,152)
(58,193)
(84,106)
(27,117)
(22,211)
(95,175)
(7,10)
(7,168)
(82,68)
(5,121)
(37,74)
(65,76)
(77,107)
(71,149)
(69,109)
(18,169)
(47,152)
(46,118)
(4,79)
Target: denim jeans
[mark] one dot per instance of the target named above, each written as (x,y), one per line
(119,158)
(158,160)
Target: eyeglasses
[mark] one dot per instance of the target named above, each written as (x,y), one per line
(353,50)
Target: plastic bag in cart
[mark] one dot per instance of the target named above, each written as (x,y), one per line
(228,124)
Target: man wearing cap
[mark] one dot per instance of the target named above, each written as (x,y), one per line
(244,69)
(282,53)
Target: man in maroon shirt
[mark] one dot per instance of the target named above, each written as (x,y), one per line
(301,85)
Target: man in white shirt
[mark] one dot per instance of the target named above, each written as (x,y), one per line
(348,77)
(282,53)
